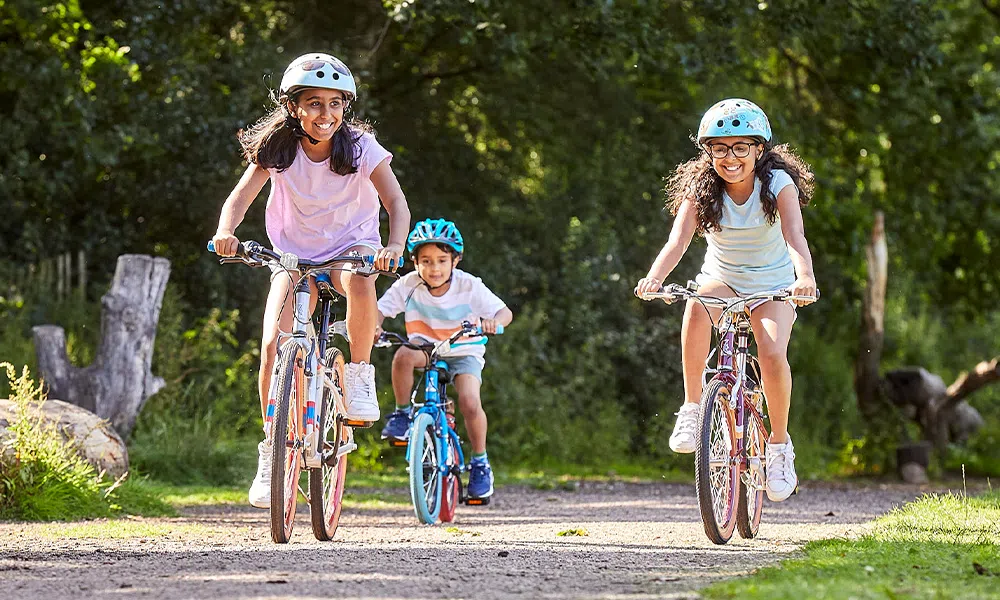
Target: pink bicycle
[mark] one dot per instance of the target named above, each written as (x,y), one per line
(729,458)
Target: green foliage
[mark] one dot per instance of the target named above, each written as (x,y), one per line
(937,547)
(203,426)
(43,478)
(545,131)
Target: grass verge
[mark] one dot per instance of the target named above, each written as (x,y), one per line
(940,546)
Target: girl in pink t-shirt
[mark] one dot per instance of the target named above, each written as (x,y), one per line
(327,177)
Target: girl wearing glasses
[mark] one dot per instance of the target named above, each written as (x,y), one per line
(327,177)
(744,194)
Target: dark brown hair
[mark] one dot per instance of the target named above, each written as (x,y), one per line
(273,141)
(697,180)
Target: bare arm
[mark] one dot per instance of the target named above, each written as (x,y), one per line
(235,208)
(394,202)
(681,233)
(793,230)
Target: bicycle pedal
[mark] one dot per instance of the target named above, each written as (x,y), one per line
(477,501)
(398,443)
(361,424)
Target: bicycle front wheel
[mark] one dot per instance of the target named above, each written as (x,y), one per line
(716,473)
(450,482)
(425,478)
(286,436)
(326,483)
(752,480)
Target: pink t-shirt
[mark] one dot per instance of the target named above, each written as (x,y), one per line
(316,213)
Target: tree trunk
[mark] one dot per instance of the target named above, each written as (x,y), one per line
(867,378)
(117,384)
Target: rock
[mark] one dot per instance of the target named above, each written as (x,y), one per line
(95,439)
(913,473)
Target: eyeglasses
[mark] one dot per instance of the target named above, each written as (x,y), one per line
(720,150)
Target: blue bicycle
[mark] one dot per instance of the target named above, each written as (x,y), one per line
(433,448)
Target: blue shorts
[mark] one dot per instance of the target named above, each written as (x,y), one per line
(464,365)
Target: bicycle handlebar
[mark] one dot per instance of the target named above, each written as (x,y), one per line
(391,338)
(254,254)
(673,292)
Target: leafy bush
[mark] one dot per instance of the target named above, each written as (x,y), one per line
(42,477)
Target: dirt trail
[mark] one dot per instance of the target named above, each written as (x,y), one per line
(644,541)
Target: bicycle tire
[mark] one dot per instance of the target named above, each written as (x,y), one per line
(425,478)
(719,524)
(751,497)
(450,483)
(286,459)
(326,483)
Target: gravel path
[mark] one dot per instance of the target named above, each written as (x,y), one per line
(644,541)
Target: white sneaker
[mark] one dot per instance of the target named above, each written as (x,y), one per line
(362,405)
(684,439)
(260,489)
(780,470)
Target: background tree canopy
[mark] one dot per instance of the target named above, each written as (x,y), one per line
(544,129)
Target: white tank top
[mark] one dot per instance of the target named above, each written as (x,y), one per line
(749,254)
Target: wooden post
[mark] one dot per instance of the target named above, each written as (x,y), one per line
(867,365)
(117,384)
(81,261)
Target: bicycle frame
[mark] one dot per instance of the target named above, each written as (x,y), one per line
(435,402)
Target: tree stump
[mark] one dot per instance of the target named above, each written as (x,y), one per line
(117,384)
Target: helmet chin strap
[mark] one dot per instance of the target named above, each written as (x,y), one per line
(297,128)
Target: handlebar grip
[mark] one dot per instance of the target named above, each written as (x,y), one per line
(499,329)
(240,249)
(394,263)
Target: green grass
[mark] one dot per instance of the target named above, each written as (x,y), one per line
(940,546)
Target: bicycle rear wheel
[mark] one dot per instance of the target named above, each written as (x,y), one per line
(286,433)
(752,481)
(450,482)
(425,479)
(716,474)
(326,483)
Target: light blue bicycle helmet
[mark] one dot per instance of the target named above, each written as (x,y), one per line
(734,117)
(435,231)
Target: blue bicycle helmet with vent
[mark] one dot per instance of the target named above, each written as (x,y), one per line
(435,231)
(734,117)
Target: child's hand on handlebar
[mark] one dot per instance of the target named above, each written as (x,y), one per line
(803,286)
(225,244)
(647,285)
(488,326)
(389,258)
(378,333)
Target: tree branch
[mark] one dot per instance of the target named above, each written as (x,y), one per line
(983,374)
(992,8)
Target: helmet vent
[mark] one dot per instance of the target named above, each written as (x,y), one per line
(336,75)
(320,74)
(736,122)
(720,123)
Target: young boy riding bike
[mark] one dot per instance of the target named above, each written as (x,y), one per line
(435,299)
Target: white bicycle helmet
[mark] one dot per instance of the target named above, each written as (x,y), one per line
(318,70)
(734,117)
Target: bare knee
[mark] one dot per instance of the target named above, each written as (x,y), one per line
(470,403)
(408,359)
(772,356)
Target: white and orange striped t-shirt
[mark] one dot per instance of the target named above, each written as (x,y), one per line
(435,318)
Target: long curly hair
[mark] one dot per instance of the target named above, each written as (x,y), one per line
(697,180)
(273,141)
